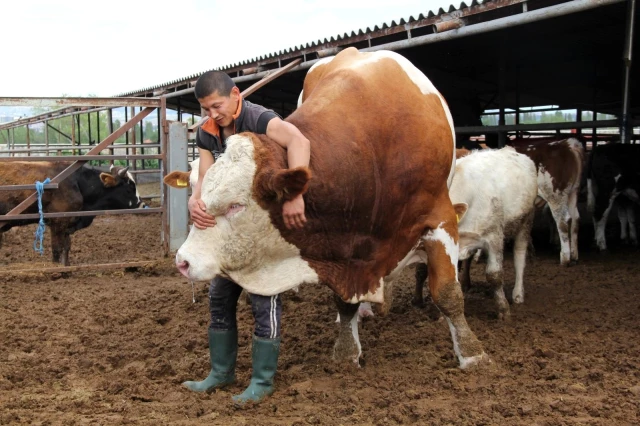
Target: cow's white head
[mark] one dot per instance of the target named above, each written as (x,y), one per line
(244,245)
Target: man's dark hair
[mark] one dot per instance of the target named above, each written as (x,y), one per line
(213,81)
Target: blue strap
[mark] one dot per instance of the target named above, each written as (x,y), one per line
(37,244)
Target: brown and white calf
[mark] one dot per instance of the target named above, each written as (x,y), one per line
(559,167)
(378,199)
(493,192)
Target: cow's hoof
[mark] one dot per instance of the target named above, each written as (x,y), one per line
(418,303)
(518,298)
(573,262)
(504,315)
(479,361)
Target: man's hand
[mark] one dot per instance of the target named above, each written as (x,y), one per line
(201,219)
(293,213)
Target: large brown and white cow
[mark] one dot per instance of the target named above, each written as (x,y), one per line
(86,189)
(559,164)
(376,195)
(493,192)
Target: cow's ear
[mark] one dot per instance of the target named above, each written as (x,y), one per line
(289,183)
(108,180)
(177,179)
(461,209)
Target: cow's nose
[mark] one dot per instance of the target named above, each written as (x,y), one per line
(183,267)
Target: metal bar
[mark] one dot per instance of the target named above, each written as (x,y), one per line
(39,148)
(89,127)
(73,132)
(133,140)
(90,267)
(540,126)
(86,157)
(61,113)
(76,165)
(98,124)
(625,129)
(79,140)
(146,171)
(59,132)
(177,198)
(79,102)
(62,148)
(502,89)
(28,139)
(110,124)
(80,214)
(163,130)
(268,78)
(142,142)
(46,133)
(23,187)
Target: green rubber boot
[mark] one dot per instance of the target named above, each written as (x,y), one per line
(264,354)
(223,350)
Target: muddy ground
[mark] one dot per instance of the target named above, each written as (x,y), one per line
(113,347)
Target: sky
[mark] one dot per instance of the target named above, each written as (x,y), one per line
(82,48)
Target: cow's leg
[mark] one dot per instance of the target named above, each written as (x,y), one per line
(441,247)
(495,275)
(421,276)
(520,244)
(622,217)
(631,218)
(66,247)
(465,273)
(347,345)
(554,238)
(561,216)
(602,209)
(575,225)
(57,236)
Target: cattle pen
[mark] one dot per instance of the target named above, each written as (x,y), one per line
(110,338)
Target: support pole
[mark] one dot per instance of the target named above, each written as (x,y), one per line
(625,127)
(28,142)
(177,198)
(502,90)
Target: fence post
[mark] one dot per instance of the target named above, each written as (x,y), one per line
(177,198)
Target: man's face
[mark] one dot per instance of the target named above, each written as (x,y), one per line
(221,108)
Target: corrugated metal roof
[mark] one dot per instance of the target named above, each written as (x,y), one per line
(345,38)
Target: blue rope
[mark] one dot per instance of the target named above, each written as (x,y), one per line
(40,229)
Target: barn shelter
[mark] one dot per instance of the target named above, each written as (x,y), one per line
(502,55)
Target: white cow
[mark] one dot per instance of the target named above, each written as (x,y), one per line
(493,192)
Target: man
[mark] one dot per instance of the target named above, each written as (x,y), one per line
(230,114)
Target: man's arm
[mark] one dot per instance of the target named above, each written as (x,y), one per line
(201,219)
(298,151)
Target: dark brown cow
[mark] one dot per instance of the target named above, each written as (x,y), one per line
(382,151)
(86,189)
(559,164)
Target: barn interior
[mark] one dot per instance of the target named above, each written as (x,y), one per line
(502,55)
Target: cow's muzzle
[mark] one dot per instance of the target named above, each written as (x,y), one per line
(183,267)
